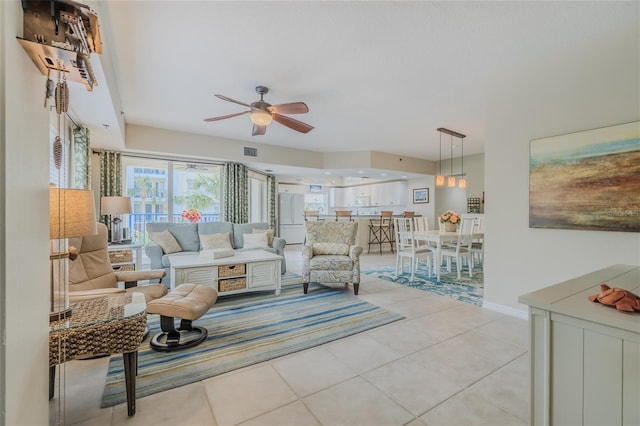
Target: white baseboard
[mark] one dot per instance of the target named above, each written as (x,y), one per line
(518,313)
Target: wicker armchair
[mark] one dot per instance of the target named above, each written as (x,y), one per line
(330,254)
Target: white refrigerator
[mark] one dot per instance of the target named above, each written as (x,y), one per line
(291,215)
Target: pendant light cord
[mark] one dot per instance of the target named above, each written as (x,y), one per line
(451,158)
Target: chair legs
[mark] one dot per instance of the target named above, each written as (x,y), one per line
(459,261)
(356,287)
(380,235)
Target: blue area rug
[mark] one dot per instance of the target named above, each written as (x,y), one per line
(248,329)
(469,290)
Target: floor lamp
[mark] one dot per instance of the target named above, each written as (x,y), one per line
(114,207)
(71,214)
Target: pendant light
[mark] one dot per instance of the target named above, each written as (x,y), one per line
(440,176)
(462,183)
(451,181)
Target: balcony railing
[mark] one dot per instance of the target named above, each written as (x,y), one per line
(137,223)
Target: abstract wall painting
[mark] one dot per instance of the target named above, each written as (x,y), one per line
(587,180)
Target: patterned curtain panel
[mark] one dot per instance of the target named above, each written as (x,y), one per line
(110,177)
(81,163)
(236,193)
(271,203)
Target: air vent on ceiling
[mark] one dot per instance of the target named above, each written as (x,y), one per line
(250,152)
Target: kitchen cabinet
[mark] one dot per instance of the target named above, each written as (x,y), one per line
(378,194)
(292,189)
(389,194)
(337,197)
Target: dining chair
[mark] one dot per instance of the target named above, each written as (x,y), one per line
(477,246)
(462,249)
(421,224)
(408,214)
(406,247)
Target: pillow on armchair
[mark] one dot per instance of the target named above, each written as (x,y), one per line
(330,248)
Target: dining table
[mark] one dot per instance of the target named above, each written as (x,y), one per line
(438,238)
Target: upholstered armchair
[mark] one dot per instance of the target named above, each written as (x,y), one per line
(91,275)
(330,254)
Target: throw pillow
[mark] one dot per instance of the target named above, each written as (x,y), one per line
(215,241)
(255,240)
(269,233)
(331,248)
(166,240)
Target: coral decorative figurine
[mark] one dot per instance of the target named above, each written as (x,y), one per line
(622,299)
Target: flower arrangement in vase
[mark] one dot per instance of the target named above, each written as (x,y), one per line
(192,215)
(450,220)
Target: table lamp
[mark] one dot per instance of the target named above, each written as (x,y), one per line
(115,206)
(71,214)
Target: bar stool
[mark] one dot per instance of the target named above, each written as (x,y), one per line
(343,216)
(312,216)
(408,214)
(381,230)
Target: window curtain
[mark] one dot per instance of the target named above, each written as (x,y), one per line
(110,177)
(81,163)
(271,203)
(236,193)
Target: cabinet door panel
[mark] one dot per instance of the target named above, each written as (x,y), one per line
(566,374)
(204,276)
(262,274)
(602,379)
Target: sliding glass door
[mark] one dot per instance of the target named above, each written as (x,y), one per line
(163,190)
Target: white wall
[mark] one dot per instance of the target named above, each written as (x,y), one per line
(424,209)
(24,224)
(599,89)
(455,198)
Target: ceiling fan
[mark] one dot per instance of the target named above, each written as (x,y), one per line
(262,113)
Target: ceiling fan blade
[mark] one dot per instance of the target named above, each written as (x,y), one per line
(292,123)
(224,98)
(290,108)
(222,117)
(259,130)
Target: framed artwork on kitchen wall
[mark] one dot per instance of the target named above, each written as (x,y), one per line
(586,180)
(420,195)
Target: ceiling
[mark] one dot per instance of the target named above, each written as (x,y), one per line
(377,76)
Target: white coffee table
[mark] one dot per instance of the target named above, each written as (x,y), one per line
(246,271)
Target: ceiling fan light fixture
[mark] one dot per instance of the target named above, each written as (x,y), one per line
(261,118)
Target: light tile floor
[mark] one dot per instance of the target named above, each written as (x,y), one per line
(446,363)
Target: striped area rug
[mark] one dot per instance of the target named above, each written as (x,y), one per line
(245,330)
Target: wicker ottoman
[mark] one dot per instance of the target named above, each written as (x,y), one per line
(187,302)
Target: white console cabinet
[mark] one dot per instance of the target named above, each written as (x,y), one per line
(585,357)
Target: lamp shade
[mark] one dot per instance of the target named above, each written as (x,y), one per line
(115,205)
(71,213)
